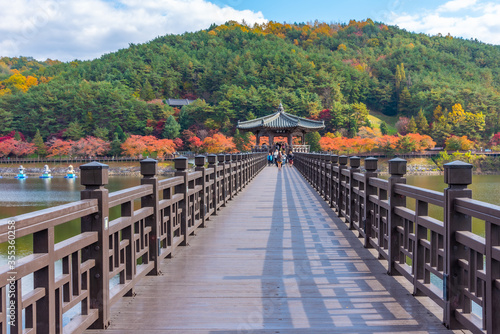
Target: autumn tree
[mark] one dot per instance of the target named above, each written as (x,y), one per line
(91,146)
(402,125)
(218,143)
(58,147)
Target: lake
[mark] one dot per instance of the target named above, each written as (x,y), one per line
(22,196)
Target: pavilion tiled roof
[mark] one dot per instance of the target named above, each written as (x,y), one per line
(280,120)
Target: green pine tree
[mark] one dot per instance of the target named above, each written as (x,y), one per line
(74,131)
(116,149)
(384,129)
(121,135)
(41,149)
(422,124)
(412,126)
(147,93)
(312,139)
(17,135)
(101,133)
(171,129)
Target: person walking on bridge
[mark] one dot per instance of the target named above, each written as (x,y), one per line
(279,160)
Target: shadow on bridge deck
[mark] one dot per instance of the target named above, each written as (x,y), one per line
(275,260)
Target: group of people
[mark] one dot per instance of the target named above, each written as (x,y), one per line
(279,158)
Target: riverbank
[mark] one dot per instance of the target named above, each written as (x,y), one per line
(115,169)
(415,166)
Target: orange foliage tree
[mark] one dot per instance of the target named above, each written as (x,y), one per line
(218,143)
(59,147)
(136,146)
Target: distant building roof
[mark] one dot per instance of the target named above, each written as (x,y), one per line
(280,120)
(178,102)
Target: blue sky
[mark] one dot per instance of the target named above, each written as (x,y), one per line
(87,29)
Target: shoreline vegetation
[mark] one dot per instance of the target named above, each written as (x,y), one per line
(415,166)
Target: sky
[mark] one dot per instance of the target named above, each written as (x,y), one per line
(87,29)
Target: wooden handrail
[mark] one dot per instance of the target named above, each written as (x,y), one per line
(130,246)
(416,245)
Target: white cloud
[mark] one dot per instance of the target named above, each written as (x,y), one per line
(456,5)
(86,29)
(481,21)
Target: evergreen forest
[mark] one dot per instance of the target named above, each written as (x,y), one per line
(442,87)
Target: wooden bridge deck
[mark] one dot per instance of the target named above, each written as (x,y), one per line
(275,260)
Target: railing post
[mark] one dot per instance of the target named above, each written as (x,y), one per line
(222,158)
(199,161)
(457,175)
(181,169)
(334,162)
(149,169)
(371,171)
(212,163)
(341,191)
(354,163)
(397,169)
(94,176)
(323,185)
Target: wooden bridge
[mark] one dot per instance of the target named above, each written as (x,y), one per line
(273,256)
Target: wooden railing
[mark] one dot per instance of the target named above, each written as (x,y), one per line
(154,219)
(416,245)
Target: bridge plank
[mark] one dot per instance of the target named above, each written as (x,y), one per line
(275,259)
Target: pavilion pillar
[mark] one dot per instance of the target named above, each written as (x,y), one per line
(271,141)
(258,139)
(290,141)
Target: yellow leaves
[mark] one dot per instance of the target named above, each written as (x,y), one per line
(373,42)
(410,46)
(17,82)
(342,47)
(5,91)
(212,33)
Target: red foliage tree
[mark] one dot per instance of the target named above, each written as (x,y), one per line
(91,146)
(59,147)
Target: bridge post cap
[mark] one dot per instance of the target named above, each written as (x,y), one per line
(355,162)
(227,157)
(334,158)
(149,167)
(458,172)
(397,166)
(234,157)
(238,157)
(343,160)
(221,157)
(212,158)
(371,164)
(199,160)
(94,174)
(181,163)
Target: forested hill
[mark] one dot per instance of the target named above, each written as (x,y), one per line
(238,72)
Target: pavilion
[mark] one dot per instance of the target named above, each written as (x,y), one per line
(281,124)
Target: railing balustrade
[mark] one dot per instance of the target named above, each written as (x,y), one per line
(416,245)
(154,219)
